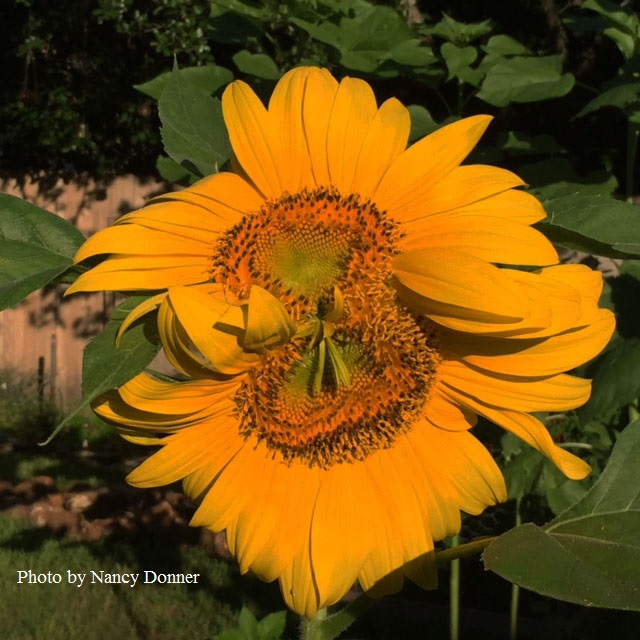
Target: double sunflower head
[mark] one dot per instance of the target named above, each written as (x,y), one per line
(340,309)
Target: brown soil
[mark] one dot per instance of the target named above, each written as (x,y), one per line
(84,513)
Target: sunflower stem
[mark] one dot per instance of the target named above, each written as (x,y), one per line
(633,131)
(454,594)
(328,627)
(515,589)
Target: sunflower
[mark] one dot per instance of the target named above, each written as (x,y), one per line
(342,309)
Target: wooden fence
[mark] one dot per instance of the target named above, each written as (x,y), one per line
(44,335)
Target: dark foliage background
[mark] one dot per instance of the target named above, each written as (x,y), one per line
(67,102)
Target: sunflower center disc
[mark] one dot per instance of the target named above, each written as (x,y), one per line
(349,388)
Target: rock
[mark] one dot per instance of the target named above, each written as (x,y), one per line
(80,501)
(35,488)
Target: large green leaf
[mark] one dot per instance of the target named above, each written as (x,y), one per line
(370,39)
(259,65)
(193,130)
(622,97)
(616,381)
(208,79)
(525,79)
(505,46)
(35,248)
(552,178)
(105,366)
(596,224)
(590,554)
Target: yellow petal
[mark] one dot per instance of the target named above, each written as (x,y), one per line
(267,533)
(200,314)
(285,114)
(462,467)
(223,500)
(298,586)
(442,513)
(143,273)
(353,109)
(268,322)
(443,413)
(146,393)
(450,283)
(512,204)
(533,432)
(557,393)
(407,510)
(176,345)
(340,538)
(384,141)
(402,190)
(137,240)
(181,454)
(320,92)
(252,136)
(462,187)
(223,197)
(533,357)
(492,239)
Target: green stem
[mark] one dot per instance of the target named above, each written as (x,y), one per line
(633,130)
(575,445)
(515,589)
(328,627)
(444,102)
(460,101)
(463,550)
(454,594)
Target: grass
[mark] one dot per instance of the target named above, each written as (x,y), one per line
(100,611)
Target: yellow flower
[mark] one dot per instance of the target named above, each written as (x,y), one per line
(337,305)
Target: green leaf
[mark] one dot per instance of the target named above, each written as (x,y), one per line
(193,130)
(505,46)
(622,96)
(230,634)
(459,33)
(248,624)
(555,177)
(528,472)
(105,367)
(618,488)
(35,248)
(590,554)
(371,38)
(271,627)
(616,381)
(259,65)
(422,122)
(412,53)
(523,467)
(208,79)
(624,21)
(171,171)
(595,224)
(525,80)
(459,60)
(518,143)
